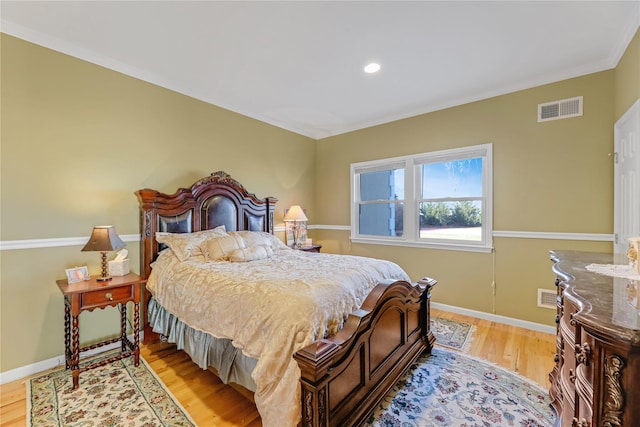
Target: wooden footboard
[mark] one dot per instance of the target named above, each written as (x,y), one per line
(344,377)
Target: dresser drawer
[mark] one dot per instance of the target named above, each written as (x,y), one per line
(104,297)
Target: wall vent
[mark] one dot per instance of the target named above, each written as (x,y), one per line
(562,109)
(547,298)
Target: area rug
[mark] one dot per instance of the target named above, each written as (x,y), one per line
(450,388)
(117,394)
(452,333)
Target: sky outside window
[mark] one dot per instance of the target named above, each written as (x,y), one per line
(458,178)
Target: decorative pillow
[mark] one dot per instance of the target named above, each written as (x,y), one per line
(186,245)
(251,253)
(253,238)
(217,249)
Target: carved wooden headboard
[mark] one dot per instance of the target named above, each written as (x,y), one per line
(212,201)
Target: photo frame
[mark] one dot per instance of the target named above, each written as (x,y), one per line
(77,274)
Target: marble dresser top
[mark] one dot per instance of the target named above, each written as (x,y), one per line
(608,305)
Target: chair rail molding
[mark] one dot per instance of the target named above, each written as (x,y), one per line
(8,245)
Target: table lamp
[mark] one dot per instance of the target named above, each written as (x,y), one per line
(296,215)
(104,239)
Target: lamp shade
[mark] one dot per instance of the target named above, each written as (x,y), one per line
(104,239)
(295,213)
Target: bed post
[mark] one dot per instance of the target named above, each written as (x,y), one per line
(147,243)
(270,208)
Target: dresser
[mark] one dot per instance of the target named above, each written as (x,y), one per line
(596,378)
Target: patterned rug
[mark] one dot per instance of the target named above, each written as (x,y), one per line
(118,394)
(450,388)
(452,333)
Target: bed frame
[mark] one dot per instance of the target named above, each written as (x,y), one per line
(343,377)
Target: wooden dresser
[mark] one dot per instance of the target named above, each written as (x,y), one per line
(596,379)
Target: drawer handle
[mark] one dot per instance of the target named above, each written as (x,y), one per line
(108,296)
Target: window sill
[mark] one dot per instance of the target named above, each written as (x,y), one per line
(441,246)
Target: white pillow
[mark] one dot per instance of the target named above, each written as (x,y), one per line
(217,249)
(186,245)
(252,253)
(253,238)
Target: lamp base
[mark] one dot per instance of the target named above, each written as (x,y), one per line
(103,276)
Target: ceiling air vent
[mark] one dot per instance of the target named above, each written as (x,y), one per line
(563,109)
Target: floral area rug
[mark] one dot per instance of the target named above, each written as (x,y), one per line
(452,333)
(450,388)
(118,394)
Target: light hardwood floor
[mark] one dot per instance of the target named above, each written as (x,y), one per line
(212,403)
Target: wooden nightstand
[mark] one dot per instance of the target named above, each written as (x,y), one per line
(312,248)
(89,295)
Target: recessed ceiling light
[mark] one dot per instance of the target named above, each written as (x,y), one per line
(372,68)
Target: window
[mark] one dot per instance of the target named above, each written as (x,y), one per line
(441,199)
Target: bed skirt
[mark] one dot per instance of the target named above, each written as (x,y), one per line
(205,350)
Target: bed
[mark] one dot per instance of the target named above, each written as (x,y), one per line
(324,355)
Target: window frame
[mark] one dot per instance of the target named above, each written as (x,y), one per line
(412,165)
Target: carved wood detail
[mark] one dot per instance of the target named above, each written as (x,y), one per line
(614,394)
(147,221)
(583,352)
(308,408)
(580,423)
(322,407)
(572,319)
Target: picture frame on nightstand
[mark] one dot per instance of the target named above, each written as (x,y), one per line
(77,274)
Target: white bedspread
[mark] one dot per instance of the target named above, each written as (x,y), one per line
(270,309)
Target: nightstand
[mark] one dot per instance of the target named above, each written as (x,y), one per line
(311,248)
(89,295)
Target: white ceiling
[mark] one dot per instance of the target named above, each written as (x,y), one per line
(298,64)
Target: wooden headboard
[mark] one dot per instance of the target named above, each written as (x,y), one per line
(212,201)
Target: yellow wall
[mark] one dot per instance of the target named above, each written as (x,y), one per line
(548,177)
(628,77)
(77,141)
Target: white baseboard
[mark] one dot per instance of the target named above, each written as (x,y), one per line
(54,362)
(496,318)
